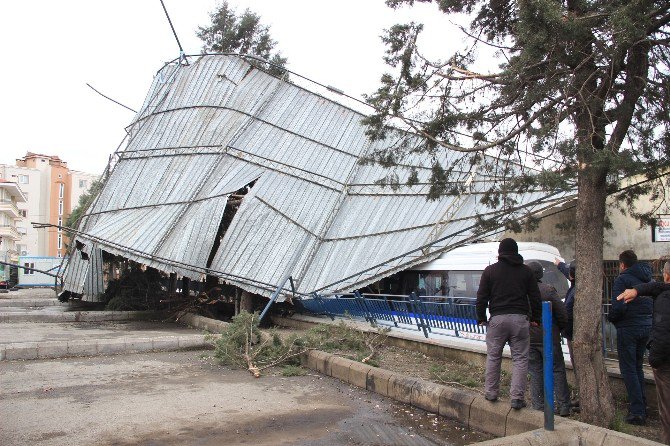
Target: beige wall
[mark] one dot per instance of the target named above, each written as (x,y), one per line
(624,234)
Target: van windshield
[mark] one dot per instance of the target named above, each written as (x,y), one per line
(464,283)
(442,283)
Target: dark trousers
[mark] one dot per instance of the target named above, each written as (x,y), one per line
(504,328)
(662,379)
(536,369)
(572,362)
(631,344)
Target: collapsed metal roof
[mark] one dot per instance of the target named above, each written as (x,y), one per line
(315,212)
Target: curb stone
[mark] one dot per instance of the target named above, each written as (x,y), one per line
(456,403)
(426,396)
(100,347)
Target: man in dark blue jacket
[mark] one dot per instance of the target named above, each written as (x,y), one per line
(659,354)
(633,326)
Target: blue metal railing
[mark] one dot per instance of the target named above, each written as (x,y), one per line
(438,315)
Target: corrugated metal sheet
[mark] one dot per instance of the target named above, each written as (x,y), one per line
(83,274)
(212,127)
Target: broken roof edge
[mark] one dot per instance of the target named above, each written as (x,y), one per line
(168,266)
(331,289)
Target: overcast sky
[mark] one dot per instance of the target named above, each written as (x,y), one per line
(55,47)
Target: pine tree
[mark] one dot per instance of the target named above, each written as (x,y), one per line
(243,34)
(578,90)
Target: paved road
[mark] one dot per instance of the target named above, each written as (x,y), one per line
(185,397)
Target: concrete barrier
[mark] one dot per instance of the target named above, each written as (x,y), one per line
(358,374)
(77,316)
(490,417)
(340,368)
(400,388)
(514,427)
(426,395)
(455,404)
(101,347)
(519,421)
(453,349)
(203,323)
(31,303)
(378,381)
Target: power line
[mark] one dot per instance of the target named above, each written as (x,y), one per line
(181,50)
(107,97)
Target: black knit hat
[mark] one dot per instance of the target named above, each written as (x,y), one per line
(508,246)
(537,269)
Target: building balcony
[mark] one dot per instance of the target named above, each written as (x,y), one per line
(9,232)
(11,255)
(9,207)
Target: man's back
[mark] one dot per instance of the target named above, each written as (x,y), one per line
(508,287)
(637,312)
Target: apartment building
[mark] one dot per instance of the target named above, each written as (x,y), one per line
(10,199)
(51,191)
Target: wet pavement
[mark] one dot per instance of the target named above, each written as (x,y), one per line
(186,397)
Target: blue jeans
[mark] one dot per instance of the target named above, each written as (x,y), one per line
(631,343)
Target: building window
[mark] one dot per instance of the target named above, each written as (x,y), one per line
(27,271)
(21,230)
(59,255)
(61,190)
(60,223)
(82,183)
(60,175)
(60,241)
(23,213)
(60,207)
(24,179)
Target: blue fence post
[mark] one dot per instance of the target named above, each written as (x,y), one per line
(390,310)
(369,316)
(548,356)
(416,312)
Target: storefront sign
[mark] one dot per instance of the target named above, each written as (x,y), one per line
(660,231)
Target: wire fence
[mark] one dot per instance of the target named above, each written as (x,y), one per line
(430,315)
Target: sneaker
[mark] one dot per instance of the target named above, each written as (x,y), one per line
(637,420)
(518,404)
(491,398)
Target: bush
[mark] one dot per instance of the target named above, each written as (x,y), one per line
(244,345)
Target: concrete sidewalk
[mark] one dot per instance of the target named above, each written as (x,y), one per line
(25,336)
(72,393)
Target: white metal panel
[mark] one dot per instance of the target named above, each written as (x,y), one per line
(315,211)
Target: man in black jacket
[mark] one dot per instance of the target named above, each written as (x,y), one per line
(659,354)
(509,290)
(559,317)
(633,325)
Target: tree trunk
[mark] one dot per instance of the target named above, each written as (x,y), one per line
(597,405)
